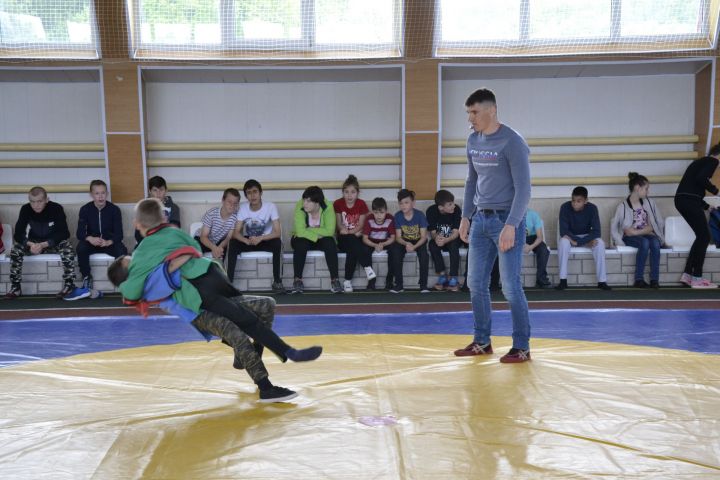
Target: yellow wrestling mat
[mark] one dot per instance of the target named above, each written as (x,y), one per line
(372,407)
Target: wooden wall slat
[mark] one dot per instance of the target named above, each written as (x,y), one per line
(421,153)
(126,174)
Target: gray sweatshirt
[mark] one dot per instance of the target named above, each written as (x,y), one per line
(498,174)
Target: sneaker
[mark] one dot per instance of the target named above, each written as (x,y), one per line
(336,286)
(441,283)
(67,290)
(686,278)
(371,284)
(347,286)
(544,284)
(76,294)
(397,289)
(640,284)
(474,349)
(94,294)
(699,282)
(452,285)
(298,286)
(464,287)
(276,394)
(605,286)
(424,290)
(515,355)
(370,273)
(562,285)
(277,287)
(88,282)
(14,292)
(654,284)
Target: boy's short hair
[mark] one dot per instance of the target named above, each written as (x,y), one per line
(36,191)
(231,191)
(157,182)
(378,203)
(580,192)
(481,96)
(97,183)
(443,196)
(149,212)
(251,184)
(116,272)
(404,193)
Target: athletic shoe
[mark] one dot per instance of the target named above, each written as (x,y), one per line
(515,355)
(96,294)
(277,287)
(76,294)
(699,282)
(544,284)
(371,284)
(464,287)
(370,273)
(298,286)
(276,394)
(397,289)
(304,354)
(347,286)
(424,290)
(336,286)
(67,290)
(654,284)
(640,284)
(474,349)
(452,285)
(605,286)
(14,292)
(686,278)
(562,285)
(441,283)
(88,282)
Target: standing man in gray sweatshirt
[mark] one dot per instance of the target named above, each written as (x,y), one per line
(497,193)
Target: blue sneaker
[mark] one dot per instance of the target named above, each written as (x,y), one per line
(453,285)
(441,283)
(77,294)
(96,293)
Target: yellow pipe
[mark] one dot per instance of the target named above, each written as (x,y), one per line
(329,145)
(51,147)
(334,184)
(578,141)
(55,163)
(50,188)
(563,181)
(592,157)
(271,162)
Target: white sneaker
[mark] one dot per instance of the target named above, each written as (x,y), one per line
(370,273)
(699,282)
(347,286)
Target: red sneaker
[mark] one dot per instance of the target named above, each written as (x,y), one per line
(474,349)
(515,355)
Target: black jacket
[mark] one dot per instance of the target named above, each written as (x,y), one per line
(105,223)
(50,225)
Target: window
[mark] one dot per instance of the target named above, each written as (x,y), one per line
(46,29)
(566,27)
(266,28)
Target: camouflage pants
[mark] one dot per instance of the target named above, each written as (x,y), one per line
(248,355)
(64,249)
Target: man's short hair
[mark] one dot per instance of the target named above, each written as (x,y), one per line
(481,96)
(117,273)
(379,203)
(580,192)
(231,191)
(405,193)
(714,151)
(157,182)
(443,196)
(149,212)
(97,183)
(251,184)
(36,191)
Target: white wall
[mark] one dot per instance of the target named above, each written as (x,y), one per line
(273,112)
(577,107)
(50,112)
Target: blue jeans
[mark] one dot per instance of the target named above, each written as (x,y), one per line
(645,244)
(484,237)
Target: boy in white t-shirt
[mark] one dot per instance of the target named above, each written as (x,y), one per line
(257,229)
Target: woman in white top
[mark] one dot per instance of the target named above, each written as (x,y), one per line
(638,223)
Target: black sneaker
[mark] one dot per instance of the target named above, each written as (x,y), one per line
(639,284)
(277,287)
(605,286)
(276,394)
(562,285)
(654,284)
(371,284)
(544,284)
